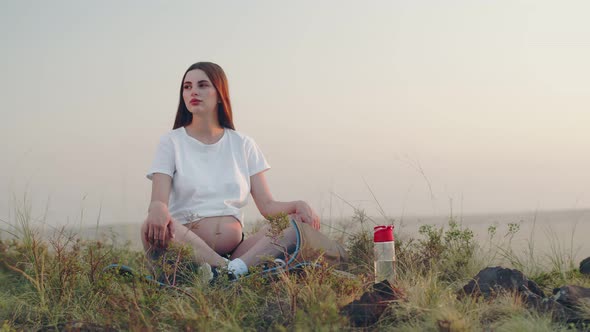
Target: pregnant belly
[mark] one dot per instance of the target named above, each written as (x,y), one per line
(222,234)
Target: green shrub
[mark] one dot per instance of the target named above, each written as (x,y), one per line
(448,252)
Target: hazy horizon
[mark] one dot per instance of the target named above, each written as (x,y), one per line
(424,107)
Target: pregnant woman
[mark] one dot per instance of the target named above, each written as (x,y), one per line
(202,175)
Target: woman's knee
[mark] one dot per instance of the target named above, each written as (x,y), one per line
(288,235)
(290,231)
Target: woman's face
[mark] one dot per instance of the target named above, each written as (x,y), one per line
(198,92)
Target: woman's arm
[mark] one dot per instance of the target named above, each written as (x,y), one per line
(160,228)
(269,207)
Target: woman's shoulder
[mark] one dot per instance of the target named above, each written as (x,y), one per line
(180,131)
(246,142)
(239,136)
(173,134)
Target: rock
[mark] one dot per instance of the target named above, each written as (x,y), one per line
(585,266)
(577,300)
(492,281)
(572,296)
(569,304)
(368,309)
(558,312)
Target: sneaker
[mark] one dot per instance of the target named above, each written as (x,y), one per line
(220,275)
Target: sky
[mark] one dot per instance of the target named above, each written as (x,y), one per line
(395,107)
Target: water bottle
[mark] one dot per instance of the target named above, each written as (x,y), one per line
(384,248)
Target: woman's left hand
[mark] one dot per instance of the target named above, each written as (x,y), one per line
(306,214)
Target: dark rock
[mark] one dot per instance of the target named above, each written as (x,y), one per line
(568,304)
(577,300)
(368,309)
(572,296)
(492,281)
(585,266)
(549,306)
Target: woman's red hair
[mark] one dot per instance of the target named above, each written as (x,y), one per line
(219,81)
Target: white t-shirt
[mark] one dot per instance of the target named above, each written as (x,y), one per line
(208,180)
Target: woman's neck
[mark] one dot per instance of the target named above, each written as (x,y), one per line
(205,131)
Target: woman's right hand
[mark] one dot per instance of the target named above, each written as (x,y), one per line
(160,228)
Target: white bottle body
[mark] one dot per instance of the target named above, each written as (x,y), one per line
(384,261)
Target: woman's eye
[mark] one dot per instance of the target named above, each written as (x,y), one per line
(186,87)
(202,85)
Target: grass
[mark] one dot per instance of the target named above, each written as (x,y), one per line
(58,283)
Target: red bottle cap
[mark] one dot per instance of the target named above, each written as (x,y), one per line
(383,233)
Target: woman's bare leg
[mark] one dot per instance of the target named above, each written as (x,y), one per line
(260,246)
(202,253)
